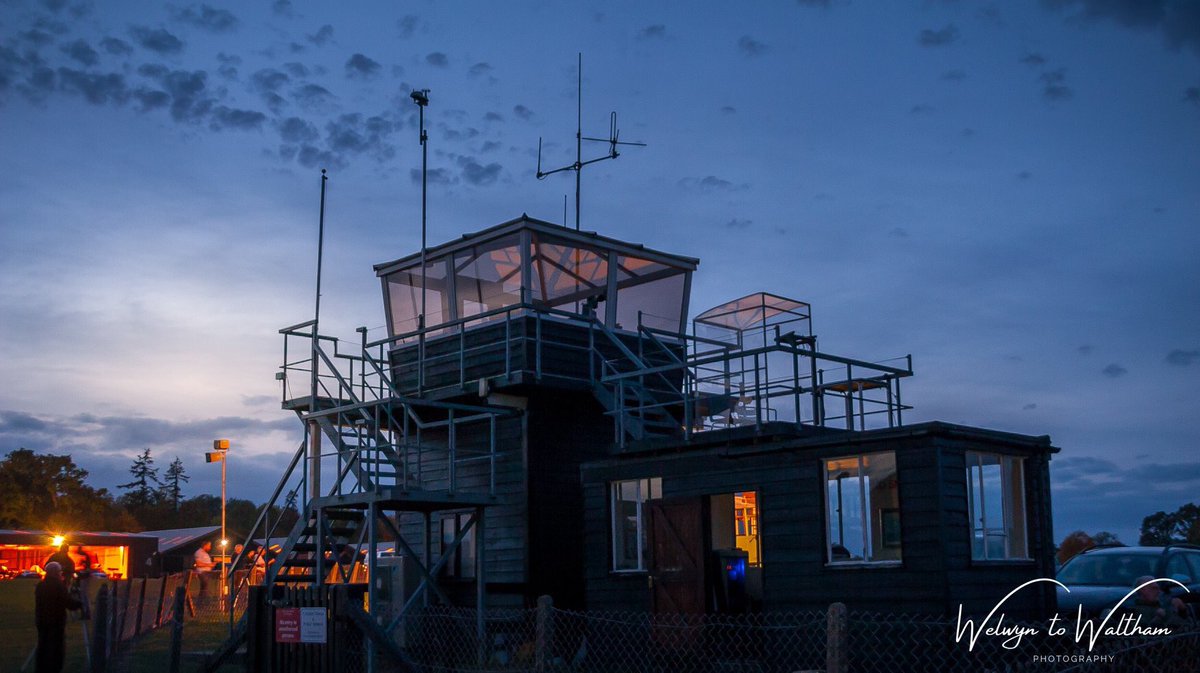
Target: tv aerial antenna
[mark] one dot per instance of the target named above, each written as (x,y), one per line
(613,141)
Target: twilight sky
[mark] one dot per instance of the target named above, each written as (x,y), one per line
(1009,191)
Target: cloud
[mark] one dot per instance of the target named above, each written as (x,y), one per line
(407,25)
(297,130)
(157,40)
(736,223)
(54,5)
(728,109)
(1029,407)
(96,88)
(654,32)
(361,67)
(296,69)
(490,146)
(813,3)
(1114,371)
(269,79)
(493,117)
(312,96)
(435,176)
(81,51)
(116,47)
(522,111)
(478,174)
(1024,175)
(751,47)
(230,118)
(323,35)
(228,65)
(953,76)
(1055,85)
(1178,20)
(118,434)
(150,99)
(351,135)
(898,232)
(1192,95)
(1086,349)
(189,102)
(1182,358)
(437,59)
(711,183)
(282,8)
(1033,59)
(921,109)
(205,17)
(948,34)
(479,69)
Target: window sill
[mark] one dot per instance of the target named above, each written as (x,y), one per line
(1003,562)
(629,573)
(857,565)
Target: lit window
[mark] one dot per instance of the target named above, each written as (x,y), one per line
(996,490)
(629,546)
(862,509)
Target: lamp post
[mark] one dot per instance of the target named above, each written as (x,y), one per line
(218,455)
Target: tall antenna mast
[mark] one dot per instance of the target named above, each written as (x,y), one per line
(612,140)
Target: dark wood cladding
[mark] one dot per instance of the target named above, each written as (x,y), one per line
(525,349)
(937,572)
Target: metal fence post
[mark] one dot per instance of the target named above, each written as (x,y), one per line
(100,631)
(544,641)
(177,630)
(836,655)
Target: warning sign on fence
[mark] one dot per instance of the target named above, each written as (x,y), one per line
(300,625)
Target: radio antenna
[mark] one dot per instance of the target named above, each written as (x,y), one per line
(613,141)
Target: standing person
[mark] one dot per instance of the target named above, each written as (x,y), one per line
(203,565)
(83,579)
(66,564)
(51,602)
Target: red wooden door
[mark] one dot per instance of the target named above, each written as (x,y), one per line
(677,555)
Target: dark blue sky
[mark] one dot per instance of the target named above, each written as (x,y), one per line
(1008,191)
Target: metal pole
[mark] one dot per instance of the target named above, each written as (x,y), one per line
(224,540)
(579,140)
(317,306)
(421,98)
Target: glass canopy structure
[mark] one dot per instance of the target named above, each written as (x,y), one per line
(532,264)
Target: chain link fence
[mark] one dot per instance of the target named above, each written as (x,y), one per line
(143,625)
(442,640)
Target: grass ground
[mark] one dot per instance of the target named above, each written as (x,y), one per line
(18,635)
(148,654)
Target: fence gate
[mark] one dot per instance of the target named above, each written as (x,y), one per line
(304,629)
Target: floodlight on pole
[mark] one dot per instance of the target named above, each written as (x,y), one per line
(218,455)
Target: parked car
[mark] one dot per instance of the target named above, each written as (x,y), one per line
(1100,577)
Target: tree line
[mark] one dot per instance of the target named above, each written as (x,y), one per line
(50,492)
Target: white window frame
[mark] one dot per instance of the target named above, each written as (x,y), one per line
(1009,466)
(647,488)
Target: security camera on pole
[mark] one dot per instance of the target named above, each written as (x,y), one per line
(218,455)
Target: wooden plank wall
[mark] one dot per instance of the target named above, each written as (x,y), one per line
(937,572)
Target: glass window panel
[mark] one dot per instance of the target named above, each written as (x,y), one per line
(404,296)
(629,524)
(996,490)
(660,302)
(863,508)
(566,274)
(488,277)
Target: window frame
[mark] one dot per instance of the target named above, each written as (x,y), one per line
(867,522)
(1008,515)
(651,484)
